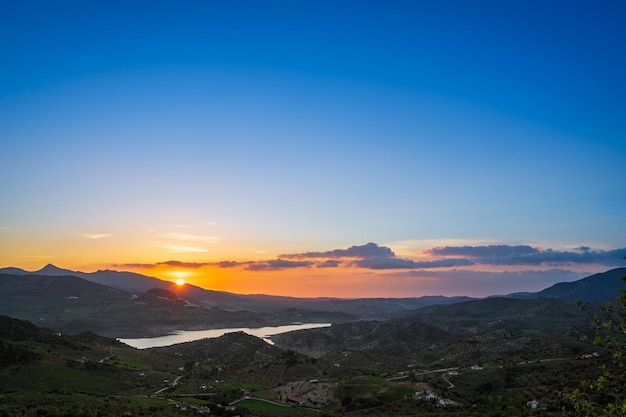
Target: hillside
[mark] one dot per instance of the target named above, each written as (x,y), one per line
(138,283)
(472,331)
(371,367)
(73,305)
(43,372)
(598,287)
(489,314)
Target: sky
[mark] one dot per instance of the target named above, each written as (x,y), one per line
(316,148)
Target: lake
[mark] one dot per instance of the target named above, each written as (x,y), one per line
(183,336)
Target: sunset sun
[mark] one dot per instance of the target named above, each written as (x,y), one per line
(179,277)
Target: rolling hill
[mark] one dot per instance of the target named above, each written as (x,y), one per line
(598,287)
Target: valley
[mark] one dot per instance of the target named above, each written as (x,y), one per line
(482,357)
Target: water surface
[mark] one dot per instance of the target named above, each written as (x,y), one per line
(182,336)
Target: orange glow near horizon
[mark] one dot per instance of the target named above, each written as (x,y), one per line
(297,282)
(327,276)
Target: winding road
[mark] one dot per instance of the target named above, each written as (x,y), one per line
(172,385)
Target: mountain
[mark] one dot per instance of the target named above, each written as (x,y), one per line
(52,270)
(28,292)
(277,309)
(377,308)
(138,283)
(598,287)
(362,308)
(71,304)
(49,270)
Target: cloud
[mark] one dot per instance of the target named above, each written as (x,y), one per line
(527,255)
(95,235)
(330,263)
(183,249)
(481,251)
(134,266)
(276,264)
(180,264)
(192,237)
(228,264)
(552,257)
(368,250)
(441,257)
(175,264)
(398,263)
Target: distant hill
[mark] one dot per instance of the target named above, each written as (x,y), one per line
(138,283)
(73,305)
(492,314)
(45,298)
(115,300)
(598,287)
(344,309)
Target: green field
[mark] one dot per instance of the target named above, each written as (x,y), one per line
(128,364)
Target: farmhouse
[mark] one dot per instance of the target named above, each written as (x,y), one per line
(296,400)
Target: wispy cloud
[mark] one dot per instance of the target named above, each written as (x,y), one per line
(95,235)
(183,249)
(180,264)
(134,266)
(276,264)
(191,237)
(177,264)
(181,242)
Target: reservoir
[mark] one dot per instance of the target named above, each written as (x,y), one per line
(183,336)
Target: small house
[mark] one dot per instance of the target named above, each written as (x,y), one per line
(296,400)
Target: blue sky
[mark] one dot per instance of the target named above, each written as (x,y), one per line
(261,128)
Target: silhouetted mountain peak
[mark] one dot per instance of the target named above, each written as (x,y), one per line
(51,269)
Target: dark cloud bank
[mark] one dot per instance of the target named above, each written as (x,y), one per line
(527,255)
(372,256)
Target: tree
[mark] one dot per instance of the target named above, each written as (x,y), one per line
(603,396)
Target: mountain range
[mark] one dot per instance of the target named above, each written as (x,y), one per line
(126,304)
(596,287)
